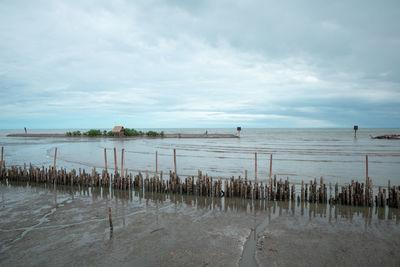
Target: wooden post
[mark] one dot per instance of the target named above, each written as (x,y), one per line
(156,163)
(122,162)
(110,218)
(115,160)
(270,167)
(105,158)
(389,194)
(55,158)
(366,166)
(255,167)
(2,158)
(175,162)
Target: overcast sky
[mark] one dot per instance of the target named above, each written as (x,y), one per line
(216,63)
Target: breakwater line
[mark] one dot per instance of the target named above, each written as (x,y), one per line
(353,194)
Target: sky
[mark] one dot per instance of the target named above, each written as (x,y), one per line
(199,64)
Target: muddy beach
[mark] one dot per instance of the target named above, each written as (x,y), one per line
(56,225)
(292,240)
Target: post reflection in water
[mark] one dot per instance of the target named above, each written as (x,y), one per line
(255,208)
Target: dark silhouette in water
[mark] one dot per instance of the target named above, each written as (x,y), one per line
(387,136)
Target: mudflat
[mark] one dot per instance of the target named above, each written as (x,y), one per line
(55,225)
(319,241)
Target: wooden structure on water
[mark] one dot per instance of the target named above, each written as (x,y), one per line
(239,129)
(118,130)
(355,131)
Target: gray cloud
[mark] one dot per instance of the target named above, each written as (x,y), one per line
(207,63)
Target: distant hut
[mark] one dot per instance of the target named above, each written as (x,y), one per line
(118,130)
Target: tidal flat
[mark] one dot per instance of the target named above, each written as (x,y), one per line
(56,225)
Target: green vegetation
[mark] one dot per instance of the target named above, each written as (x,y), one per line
(152,133)
(128,132)
(74,133)
(93,132)
(132,132)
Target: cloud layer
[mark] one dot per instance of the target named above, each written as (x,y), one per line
(199,64)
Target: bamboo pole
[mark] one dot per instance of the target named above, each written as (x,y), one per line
(105,158)
(2,158)
(115,160)
(366,166)
(122,162)
(110,218)
(55,158)
(175,162)
(255,167)
(270,167)
(156,163)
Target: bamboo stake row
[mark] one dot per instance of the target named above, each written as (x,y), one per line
(354,194)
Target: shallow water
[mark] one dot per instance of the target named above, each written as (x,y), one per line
(297,153)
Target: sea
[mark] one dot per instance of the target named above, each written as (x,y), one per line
(297,154)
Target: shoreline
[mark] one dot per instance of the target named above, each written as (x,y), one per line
(176,135)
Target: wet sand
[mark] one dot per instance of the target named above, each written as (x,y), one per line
(176,135)
(292,240)
(47,225)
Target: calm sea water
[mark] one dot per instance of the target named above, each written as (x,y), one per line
(297,153)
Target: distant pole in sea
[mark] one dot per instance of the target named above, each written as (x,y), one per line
(270,166)
(122,162)
(115,160)
(105,158)
(255,167)
(355,131)
(238,130)
(366,167)
(55,158)
(2,158)
(175,162)
(156,163)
